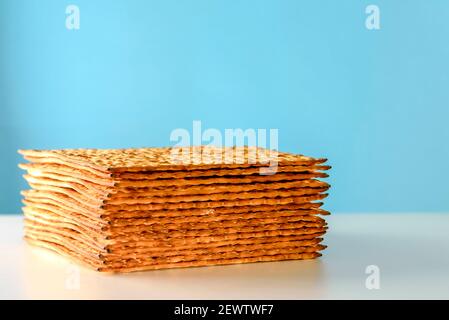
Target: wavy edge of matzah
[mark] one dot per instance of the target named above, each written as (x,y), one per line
(148,159)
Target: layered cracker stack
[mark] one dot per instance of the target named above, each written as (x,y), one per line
(141,209)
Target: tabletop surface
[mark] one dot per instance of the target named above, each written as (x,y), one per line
(370,256)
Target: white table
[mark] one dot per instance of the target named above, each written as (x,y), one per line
(410,250)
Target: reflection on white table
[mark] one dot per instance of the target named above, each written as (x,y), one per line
(411,252)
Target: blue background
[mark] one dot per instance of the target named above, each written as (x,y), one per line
(376,103)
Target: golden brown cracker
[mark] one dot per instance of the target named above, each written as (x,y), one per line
(150,175)
(92,192)
(216,240)
(49,217)
(299,240)
(161,257)
(300,227)
(88,219)
(137,262)
(214,188)
(92,263)
(66,201)
(216,262)
(96,265)
(67,173)
(149,159)
(243,179)
(198,225)
(32,228)
(122,223)
(214,204)
(74,191)
(224,251)
(277,193)
(107,218)
(303,208)
(140,209)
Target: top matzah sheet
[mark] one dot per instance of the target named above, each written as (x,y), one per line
(148,159)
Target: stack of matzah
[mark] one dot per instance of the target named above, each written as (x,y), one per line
(140,209)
